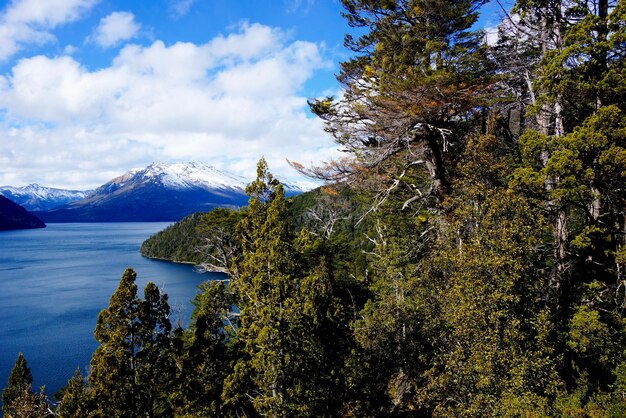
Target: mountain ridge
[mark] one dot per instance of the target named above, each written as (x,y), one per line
(35,197)
(14,216)
(158,192)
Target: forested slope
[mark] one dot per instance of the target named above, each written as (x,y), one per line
(179,242)
(466,260)
(183,241)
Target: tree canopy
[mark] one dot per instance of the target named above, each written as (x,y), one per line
(465,258)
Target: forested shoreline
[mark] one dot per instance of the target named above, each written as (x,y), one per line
(465,259)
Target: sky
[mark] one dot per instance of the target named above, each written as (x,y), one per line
(90,89)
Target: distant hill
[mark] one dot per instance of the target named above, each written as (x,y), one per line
(180,241)
(35,197)
(13,216)
(159,192)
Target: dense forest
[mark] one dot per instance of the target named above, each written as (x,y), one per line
(179,242)
(465,259)
(191,240)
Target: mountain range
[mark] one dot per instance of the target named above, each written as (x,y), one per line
(36,197)
(159,192)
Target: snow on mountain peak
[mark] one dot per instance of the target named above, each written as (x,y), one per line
(37,191)
(37,197)
(188,175)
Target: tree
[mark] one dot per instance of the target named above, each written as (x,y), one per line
(20,381)
(411,95)
(30,405)
(279,371)
(205,359)
(74,401)
(132,368)
(219,246)
(111,380)
(492,329)
(154,364)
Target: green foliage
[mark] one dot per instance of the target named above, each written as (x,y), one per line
(468,261)
(284,309)
(492,326)
(74,399)
(111,379)
(30,405)
(20,380)
(204,359)
(191,240)
(178,242)
(131,370)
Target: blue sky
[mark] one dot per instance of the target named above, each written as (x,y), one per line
(92,88)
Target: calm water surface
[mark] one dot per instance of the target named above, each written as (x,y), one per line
(54,281)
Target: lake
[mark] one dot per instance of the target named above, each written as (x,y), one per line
(54,282)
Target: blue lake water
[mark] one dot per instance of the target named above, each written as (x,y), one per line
(54,282)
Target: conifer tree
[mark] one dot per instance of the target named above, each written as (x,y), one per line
(20,381)
(74,402)
(282,357)
(154,366)
(30,405)
(205,360)
(264,280)
(412,94)
(576,165)
(111,381)
(132,368)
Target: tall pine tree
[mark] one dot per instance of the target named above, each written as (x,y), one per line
(20,380)
(280,371)
(132,369)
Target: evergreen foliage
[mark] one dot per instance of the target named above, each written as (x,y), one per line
(284,308)
(132,370)
(204,356)
(18,400)
(74,398)
(467,259)
(178,242)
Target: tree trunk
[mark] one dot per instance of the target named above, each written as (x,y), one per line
(436,168)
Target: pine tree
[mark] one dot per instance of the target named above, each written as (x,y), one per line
(412,94)
(263,280)
(113,390)
(132,369)
(20,381)
(279,372)
(30,405)
(74,401)
(205,359)
(154,365)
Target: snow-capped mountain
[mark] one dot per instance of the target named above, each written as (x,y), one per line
(159,192)
(184,176)
(36,197)
(178,176)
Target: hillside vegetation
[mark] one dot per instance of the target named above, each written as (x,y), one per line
(185,240)
(466,259)
(179,242)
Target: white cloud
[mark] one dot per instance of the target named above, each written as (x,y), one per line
(180,8)
(294,6)
(70,50)
(25,22)
(115,28)
(226,102)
